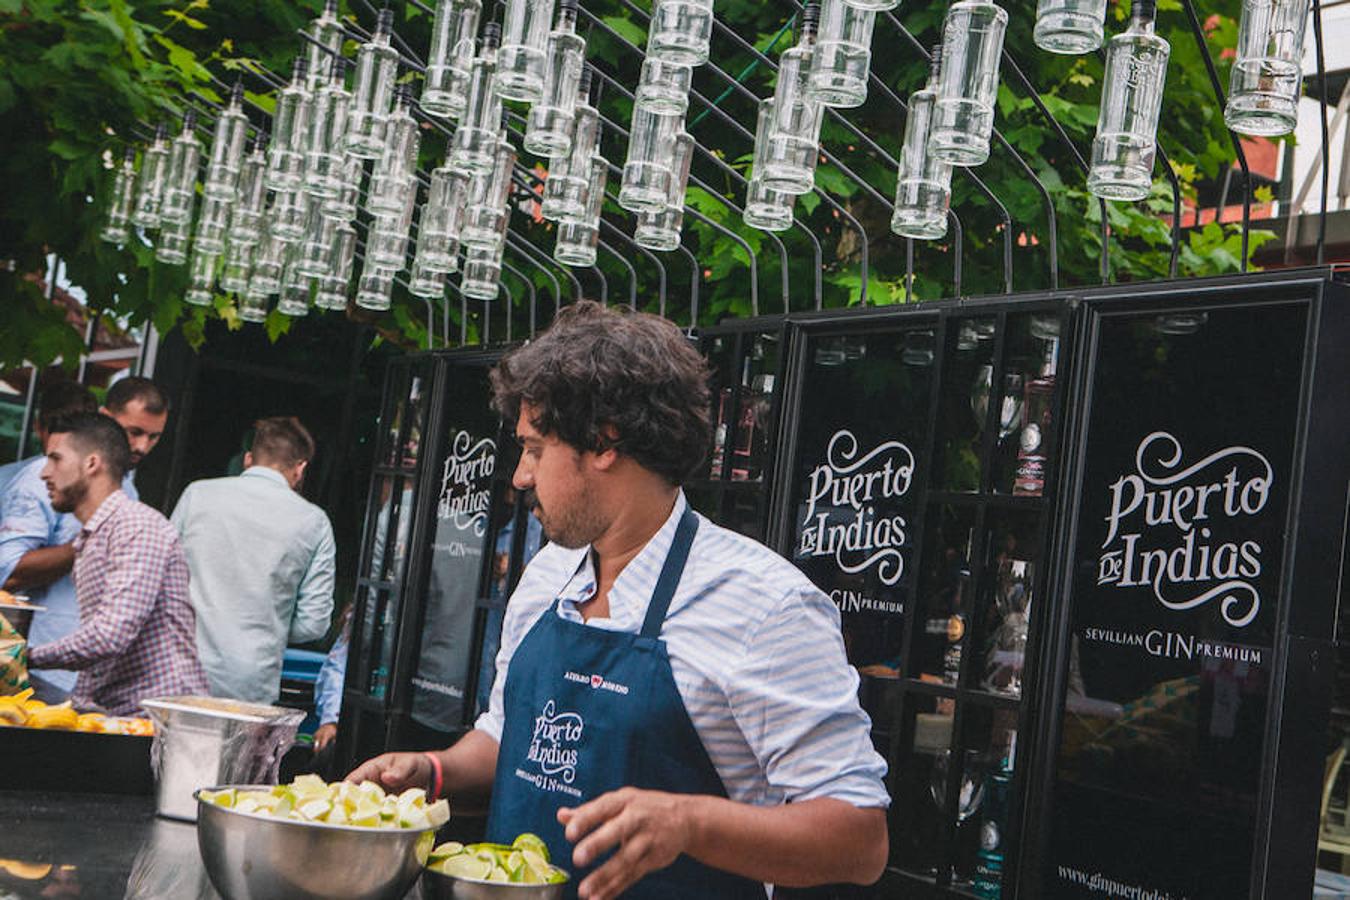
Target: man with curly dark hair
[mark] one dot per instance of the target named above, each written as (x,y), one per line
(673,711)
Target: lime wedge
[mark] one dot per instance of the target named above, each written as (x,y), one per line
(533,842)
(446,850)
(465,866)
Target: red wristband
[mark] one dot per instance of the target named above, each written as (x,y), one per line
(437,776)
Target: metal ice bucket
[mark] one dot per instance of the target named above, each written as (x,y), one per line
(203,741)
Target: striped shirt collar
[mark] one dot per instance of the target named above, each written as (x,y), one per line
(632,590)
(106,510)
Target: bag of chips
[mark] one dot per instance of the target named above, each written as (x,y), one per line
(13,659)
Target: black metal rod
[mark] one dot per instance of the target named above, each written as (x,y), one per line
(557,288)
(695,275)
(1030,90)
(524,246)
(909,270)
(630,241)
(958,243)
(1176,209)
(1326,138)
(632,272)
(1198,32)
(604,285)
(529,287)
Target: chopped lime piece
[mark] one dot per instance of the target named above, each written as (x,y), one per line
(528,841)
(446,850)
(438,813)
(466,866)
(557,876)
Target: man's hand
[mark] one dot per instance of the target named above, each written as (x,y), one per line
(395,772)
(324,735)
(650,828)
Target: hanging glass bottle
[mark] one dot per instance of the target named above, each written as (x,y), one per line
(268,259)
(315,257)
(331,293)
(227,148)
(445,88)
(661,230)
(663,87)
(116,226)
(765,208)
(520,62)
(874,5)
(1267,77)
(548,128)
(180,185)
(793,142)
(154,168)
(485,218)
(287,216)
(843,55)
(324,46)
(681,31)
(924,183)
(375,288)
(475,145)
(326,156)
(294,301)
(578,238)
(251,197)
(343,254)
(373,90)
(171,246)
(481,272)
(424,282)
(253,305)
(201,278)
(1127,120)
(1069,26)
(343,206)
(442,219)
(387,239)
(646,174)
(290,133)
(238,263)
(963,119)
(565,189)
(213,218)
(396,175)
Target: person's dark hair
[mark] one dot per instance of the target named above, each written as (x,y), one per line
(281,440)
(155,401)
(95,433)
(598,369)
(64,398)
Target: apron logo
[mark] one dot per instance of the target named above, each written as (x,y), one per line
(553,745)
(597,682)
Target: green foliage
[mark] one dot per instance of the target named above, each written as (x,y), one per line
(78,82)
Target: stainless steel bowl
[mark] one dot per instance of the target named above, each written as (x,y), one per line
(255,857)
(436,886)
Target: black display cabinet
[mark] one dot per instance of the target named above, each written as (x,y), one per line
(1087,551)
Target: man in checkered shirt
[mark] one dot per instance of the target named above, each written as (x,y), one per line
(137,634)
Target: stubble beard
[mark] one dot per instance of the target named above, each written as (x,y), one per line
(64,500)
(574,526)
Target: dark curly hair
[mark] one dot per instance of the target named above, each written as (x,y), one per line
(599,372)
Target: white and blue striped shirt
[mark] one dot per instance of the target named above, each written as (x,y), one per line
(756,651)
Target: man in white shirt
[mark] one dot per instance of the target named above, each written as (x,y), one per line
(673,712)
(262,559)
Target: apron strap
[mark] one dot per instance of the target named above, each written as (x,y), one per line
(664,591)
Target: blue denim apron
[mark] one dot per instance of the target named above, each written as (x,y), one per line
(590,711)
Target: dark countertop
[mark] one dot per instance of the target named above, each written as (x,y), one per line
(100,846)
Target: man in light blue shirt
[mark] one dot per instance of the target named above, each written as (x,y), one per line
(263,560)
(36,542)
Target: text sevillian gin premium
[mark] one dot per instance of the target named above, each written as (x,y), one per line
(1127,123)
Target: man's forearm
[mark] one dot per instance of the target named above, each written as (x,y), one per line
(469,767)
(41,567)
(815,842)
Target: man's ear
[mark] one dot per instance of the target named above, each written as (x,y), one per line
(607,456)
(298,473)
(248,459)
(92,464)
